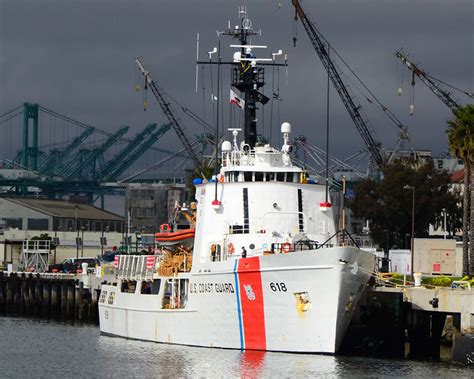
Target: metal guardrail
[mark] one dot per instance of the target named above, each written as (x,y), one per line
(286,247)
(343,238)
(136,267)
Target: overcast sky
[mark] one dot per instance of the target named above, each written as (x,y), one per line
(77,57)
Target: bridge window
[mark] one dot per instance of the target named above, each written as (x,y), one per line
(128,286)
(280,177)
(215,252)
(151,288)
(247,176)
(259,176)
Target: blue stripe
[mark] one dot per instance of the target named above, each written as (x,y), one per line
(237,294)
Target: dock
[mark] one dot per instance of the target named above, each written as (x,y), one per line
(60,297)
(411,322)
(389,322)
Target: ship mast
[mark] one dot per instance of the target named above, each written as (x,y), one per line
(247,77)
(248,73)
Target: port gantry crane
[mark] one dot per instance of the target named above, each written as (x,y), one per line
(373,146)
(124,163)
(432,83)
(56,156)
(167,111)
(77,167)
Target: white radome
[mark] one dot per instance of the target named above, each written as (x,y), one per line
(226,146)
(286,127)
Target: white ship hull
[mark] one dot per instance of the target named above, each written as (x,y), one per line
(262,272)
(296,302)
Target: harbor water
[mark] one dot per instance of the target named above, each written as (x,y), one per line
(43,349)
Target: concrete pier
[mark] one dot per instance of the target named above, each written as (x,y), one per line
(409,322)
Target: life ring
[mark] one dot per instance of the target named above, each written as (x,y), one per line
(285,247)
(165,227)
(231,248)
(221,179)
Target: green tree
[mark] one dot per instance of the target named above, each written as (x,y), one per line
(388,205)
(44,237)
(461,143)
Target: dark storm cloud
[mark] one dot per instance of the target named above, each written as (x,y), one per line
(76,57)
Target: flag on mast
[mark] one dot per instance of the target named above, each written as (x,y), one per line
(234,99)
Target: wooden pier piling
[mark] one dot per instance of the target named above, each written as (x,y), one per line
(56,297)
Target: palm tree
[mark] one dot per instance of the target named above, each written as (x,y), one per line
(461,143)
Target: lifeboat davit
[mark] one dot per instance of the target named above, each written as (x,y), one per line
(166,237)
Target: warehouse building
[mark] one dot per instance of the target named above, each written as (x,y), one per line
(56,215)
(79,230)
(150,205)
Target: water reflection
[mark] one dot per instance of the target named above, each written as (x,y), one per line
(251,363)
(48,349)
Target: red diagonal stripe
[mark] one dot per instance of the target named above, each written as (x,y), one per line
(251,300)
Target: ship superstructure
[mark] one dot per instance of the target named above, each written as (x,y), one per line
(266,270)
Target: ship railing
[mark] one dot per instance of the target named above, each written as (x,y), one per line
(343,238)
(136,267)
(340,238)
(236,158)
(287,247)
(277,222)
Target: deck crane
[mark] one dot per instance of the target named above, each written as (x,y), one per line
(167,111)
(432,83)
(373,146)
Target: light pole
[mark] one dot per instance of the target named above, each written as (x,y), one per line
(444,223)
(406,240)
(412,224)
(82,241)
(77,234)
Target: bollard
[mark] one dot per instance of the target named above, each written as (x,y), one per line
(417,276)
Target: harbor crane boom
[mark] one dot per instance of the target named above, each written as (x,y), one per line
(117,171)
(442,94)
(124,154)
(167,111)
(57,157)
(321,49)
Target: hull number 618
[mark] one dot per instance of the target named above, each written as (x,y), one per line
(278,287)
